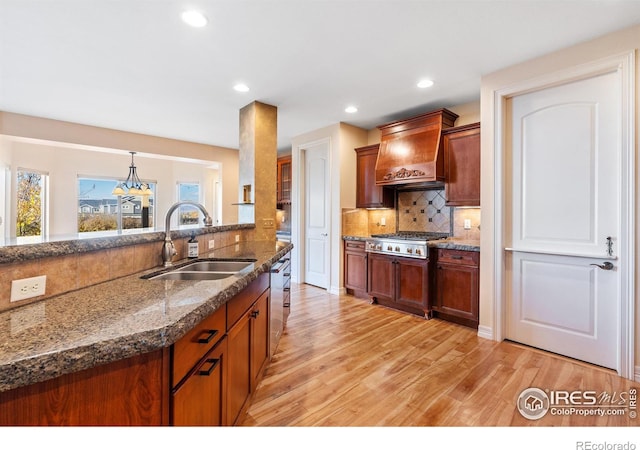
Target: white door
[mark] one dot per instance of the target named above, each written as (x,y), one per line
(317,215)
(564,291)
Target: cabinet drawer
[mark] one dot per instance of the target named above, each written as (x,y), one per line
(354,245)
(197,342)
(465,257)
(239,304)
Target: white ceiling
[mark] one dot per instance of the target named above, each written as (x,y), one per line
(133,65)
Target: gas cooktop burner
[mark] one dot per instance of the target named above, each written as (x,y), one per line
(412,235)
(404,243)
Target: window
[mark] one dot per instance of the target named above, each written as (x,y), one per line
(100,210)
(31,206)
(188,192)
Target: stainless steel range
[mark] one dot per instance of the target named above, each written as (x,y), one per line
(409,244)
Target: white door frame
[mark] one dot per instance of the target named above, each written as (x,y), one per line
(299,187)
(624,62)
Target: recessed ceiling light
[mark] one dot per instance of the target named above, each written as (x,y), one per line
(194,18)
(425,83)
(351,109)
(241,87)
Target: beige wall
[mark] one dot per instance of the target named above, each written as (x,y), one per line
(605,46)
(342,139)
(36,128)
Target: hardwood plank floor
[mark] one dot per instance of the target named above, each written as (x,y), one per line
(344,362)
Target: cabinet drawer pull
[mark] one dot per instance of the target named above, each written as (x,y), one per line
(207,339)
(456,257)
(214,363)
(286,289)
(286,274)
(255,314)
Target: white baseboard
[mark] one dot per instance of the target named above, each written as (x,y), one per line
(336,290)
(485,332)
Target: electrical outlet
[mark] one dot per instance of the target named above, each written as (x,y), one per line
(268,223)
(212,243)
(28,288)
(237,238)
(467,224)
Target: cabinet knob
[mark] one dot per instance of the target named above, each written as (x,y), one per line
(255,313)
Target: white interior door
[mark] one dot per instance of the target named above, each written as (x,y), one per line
(564,292)
(317,215)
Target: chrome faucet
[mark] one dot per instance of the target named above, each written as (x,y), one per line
(168,249)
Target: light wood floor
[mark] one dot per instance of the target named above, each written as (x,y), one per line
(344,362)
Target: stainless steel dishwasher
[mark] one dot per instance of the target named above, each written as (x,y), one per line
(280,304)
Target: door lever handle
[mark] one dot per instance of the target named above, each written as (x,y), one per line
(605,265)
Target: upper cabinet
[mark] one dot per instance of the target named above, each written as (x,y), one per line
(368,194)
(462,165)
(284,180)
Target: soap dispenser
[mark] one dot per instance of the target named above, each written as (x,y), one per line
(192,246)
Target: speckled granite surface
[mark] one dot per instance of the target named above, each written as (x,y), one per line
(18,253)
(456,244)
(355,238)
(117,319)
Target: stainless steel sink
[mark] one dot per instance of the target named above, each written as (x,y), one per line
(175,275)
(203,270)
(215,266)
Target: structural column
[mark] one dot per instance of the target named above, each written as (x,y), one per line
(258,160)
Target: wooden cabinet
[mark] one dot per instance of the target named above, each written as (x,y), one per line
(199,373)
(200,399)
(204,378)
(129,392)
(462,165)
(401,283)
(411,149)
(457,276)
(368,194)
(248,347)
(355,268)
(283,187)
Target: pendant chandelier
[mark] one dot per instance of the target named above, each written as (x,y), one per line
(133,185)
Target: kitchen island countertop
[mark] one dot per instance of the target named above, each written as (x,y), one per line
(117,319)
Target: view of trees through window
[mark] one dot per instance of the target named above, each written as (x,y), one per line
(30,205)
(98,207)
(191,192)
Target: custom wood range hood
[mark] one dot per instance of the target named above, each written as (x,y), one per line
(410,152)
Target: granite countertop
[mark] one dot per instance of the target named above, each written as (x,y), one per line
(453,243)
(117,319)
(355,238)
(472,245)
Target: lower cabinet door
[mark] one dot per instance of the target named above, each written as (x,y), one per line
(382,278)
(239,383)
(457,293)
(412,288)
(259,337)
(200,400)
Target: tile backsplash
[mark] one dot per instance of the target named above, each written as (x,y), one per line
(416,211)
(424,211)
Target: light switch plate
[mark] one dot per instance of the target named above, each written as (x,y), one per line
(467,224)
